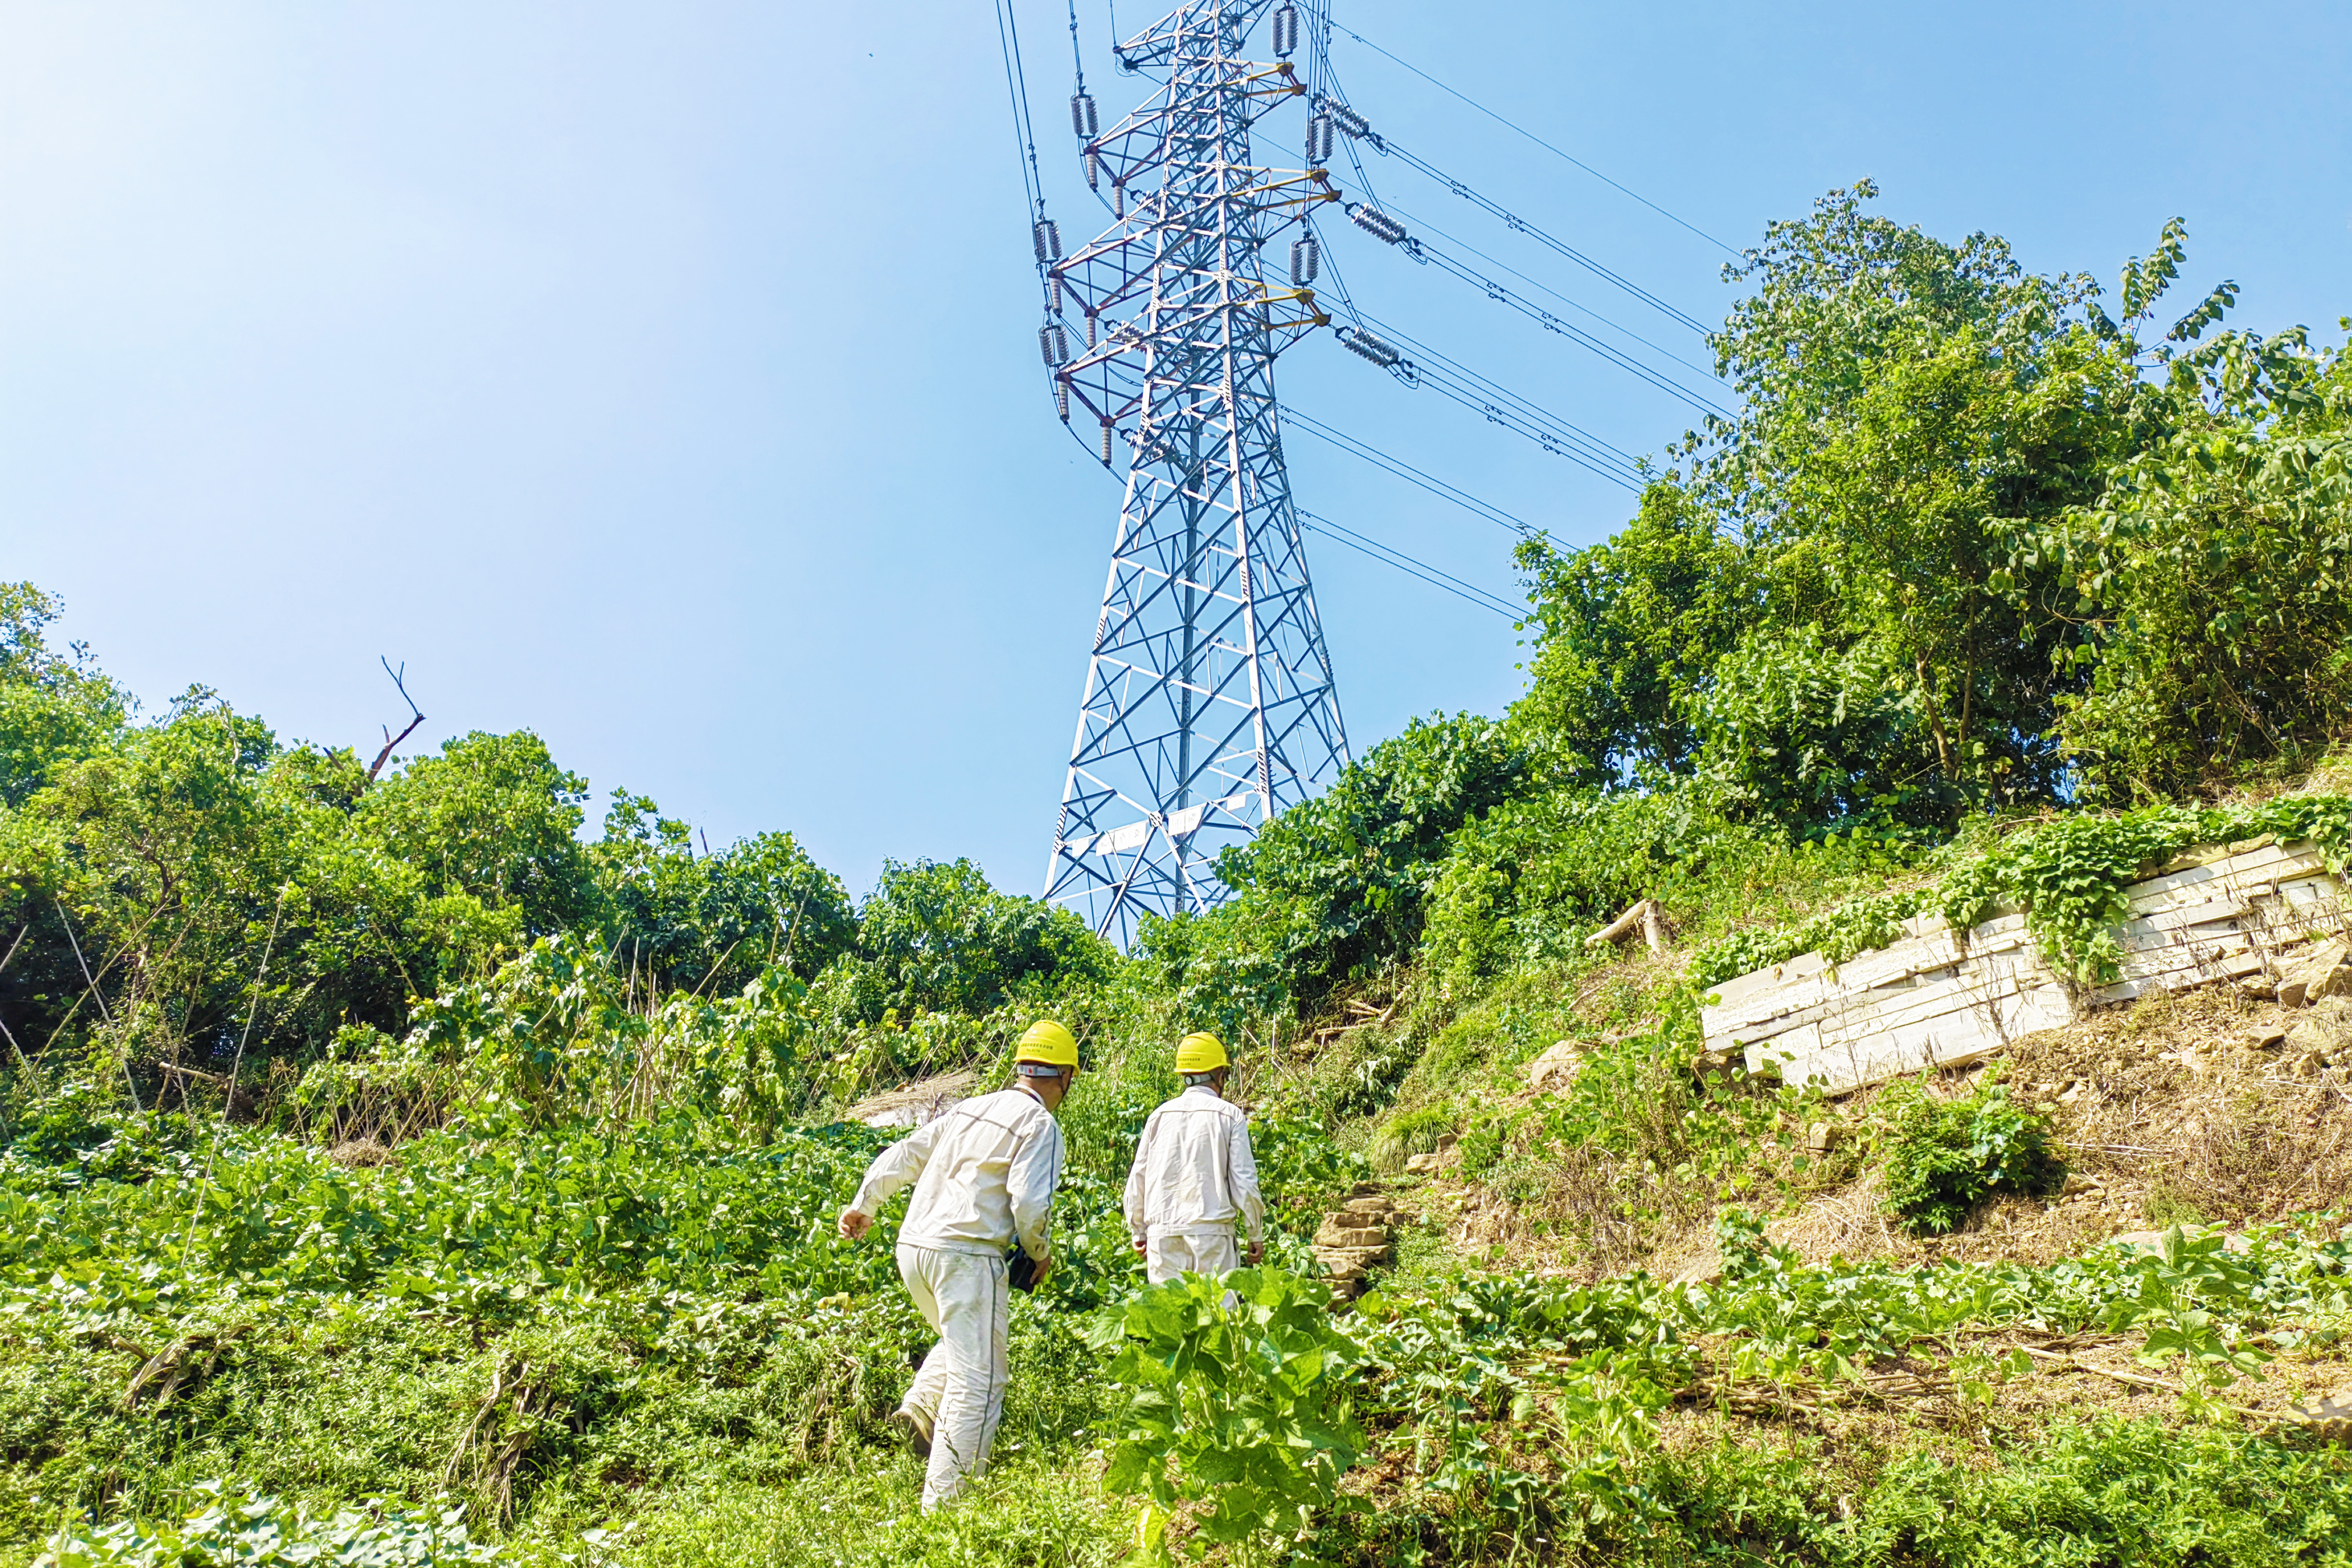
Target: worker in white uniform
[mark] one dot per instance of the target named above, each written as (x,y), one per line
(984,1175)
(1194,1177)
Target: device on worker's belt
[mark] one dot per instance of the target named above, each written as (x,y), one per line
(1021,1271)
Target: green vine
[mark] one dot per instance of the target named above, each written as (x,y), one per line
(1858,925)
(2071,877)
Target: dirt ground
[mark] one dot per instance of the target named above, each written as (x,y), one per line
(2168,1110)
(2189,1108)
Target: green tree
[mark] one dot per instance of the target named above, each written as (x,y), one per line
(2209,584)
(53,708)
(1836,298)
(1904,509)
(934,937)
(1902,397)
(157,859)
(489,827)
(714,923)
(1878,588)
(1627,632)
(1332,888)
(205,875)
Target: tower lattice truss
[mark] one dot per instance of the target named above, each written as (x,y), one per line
(1209,705)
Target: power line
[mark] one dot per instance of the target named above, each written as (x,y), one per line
(1512,220)
(1387,555)
(1424,226)
(1497,404)
(1016,84)
(1406,564)
(1537,141)
(1411,475)
(1551,323)
(1436,368)
(1501,295)
(1514,413)
(1512,419)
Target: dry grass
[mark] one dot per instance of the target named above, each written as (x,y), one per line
(1851,1222)
(2163,1114)
(2169,1100)
(2331,774)
(915,1103)
(2162,1109)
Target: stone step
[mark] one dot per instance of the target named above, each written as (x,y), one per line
(1334,1234)
(1349,1262)
(1355,1239)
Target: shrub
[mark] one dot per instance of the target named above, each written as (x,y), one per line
(1483,1144)
(264,1532)
(1296,1155)
(1334,888)
(1527,881)
(2109,1491)
(1240,1402)
(1943,1157)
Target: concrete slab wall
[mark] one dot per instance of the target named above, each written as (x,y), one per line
(1943,998)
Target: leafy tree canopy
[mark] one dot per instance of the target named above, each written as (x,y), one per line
(52,708)
(714,923)
(935,937)
(1966,532)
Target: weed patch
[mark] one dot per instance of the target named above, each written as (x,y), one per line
(1943,1157)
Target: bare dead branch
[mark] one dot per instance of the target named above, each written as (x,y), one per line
(399,680)
(91,982)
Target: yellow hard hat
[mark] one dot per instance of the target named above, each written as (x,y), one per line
(1048,1042)
(1200,1053)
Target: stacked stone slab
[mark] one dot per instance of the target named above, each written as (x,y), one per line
(1355,1238)
(2259,913)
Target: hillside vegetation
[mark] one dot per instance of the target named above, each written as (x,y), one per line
(396,1173)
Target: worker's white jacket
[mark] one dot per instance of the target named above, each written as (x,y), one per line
(983,1173)
(1194,1170)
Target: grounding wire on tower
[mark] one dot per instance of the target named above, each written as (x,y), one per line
(1209,705)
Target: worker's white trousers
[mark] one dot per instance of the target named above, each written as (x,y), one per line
(961,1389)
(1168,1253)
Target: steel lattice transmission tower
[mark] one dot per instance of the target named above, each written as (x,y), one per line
(1209,705)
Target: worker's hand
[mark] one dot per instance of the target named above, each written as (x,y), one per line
(1044,1267)
(1256,1255)
(854,1225)
(1142,1247)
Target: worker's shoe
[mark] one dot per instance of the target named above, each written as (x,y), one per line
(913,1425)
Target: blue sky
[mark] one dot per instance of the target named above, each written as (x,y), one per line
(665,380)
